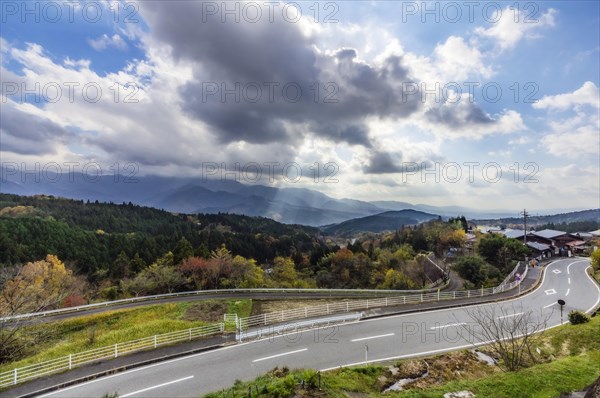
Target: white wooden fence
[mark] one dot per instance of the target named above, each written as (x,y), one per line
(71,361)
(359,305)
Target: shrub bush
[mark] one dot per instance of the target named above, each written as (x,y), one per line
(577,317)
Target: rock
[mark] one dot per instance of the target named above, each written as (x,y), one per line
(459,394)
(484,357)
(593,391)
(393,370)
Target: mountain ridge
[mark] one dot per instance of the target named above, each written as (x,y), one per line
(289,205)
(386,221)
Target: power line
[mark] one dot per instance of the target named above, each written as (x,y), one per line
(525,215)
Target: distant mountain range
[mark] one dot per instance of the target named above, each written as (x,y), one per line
(387,221)
(192,195)
(534,220)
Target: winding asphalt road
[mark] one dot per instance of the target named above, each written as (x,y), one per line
(215,296)
(259,294)
(400,336)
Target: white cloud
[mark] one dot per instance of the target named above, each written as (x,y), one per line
(465,119)
(500,153)
(3,45)
(585,140)
(587,94)
(456,60)
(513,25)
(164,139)
(574,184)
(520,141)
(578,135)
(105,41)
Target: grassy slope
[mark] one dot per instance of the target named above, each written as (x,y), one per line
(57,339)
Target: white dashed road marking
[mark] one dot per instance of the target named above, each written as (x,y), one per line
(373,337)
(158,386)
(280,355)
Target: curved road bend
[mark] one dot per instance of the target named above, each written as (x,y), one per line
(212,296)
(392,337)
(274,295)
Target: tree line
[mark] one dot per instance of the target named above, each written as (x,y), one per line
(129,250)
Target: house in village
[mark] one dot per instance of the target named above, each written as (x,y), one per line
(540,250)
(549,242)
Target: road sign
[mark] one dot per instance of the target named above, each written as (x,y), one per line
(561,302)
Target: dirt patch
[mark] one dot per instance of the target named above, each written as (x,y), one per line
(442,369)
(209,311)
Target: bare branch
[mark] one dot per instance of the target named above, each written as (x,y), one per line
(509,332)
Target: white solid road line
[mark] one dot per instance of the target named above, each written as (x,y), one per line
(509,315)
(373,337)
(569,266)
(549,305)
(158,386)
(447,326)
(401,316)
(589,310)
(568,291)
(280,355)
(424,353)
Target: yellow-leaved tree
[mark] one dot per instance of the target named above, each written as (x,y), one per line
(36,286)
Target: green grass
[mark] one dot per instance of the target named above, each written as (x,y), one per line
(545,380)
(57,339)
(541,381)
(573,352)
(243,308)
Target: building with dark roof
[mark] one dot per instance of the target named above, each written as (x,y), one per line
(540,250)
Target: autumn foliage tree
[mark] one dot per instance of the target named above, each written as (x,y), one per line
(284,274)
(160,277)
(209,273)
(35,286)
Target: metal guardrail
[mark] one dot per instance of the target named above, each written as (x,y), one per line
(510,276)
(434,263)
(201,293)
(70,361)
(19,375)
(295,327)
(350,306)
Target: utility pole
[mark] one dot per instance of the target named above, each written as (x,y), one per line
(525,215)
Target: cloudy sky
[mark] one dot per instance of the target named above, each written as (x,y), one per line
(492,105)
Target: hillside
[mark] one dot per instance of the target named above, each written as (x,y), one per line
(91,235)
(386,221)
(197,195)
(585,220)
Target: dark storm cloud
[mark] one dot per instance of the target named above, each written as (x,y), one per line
(454,117)
(382,162)
(328,94)
(28,134)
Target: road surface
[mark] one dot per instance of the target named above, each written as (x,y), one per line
(400,336)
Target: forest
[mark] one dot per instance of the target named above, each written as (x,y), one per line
(124,250)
